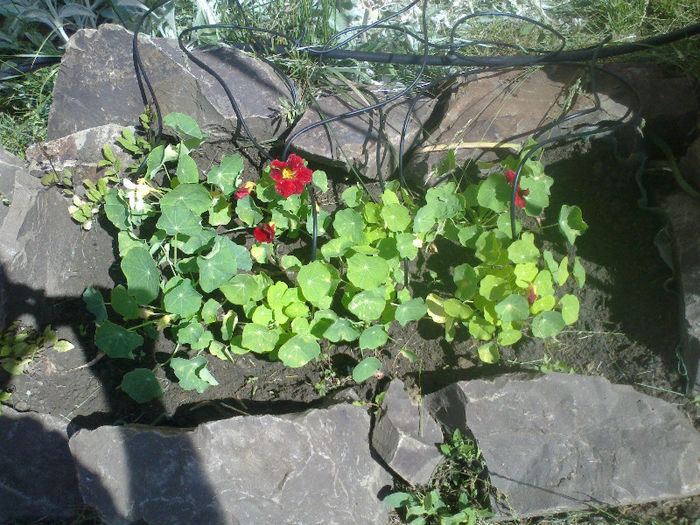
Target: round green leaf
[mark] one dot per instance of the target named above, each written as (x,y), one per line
(524,250)
(509,337)
(123,303)
(525,273)
(348,224)
(192,373)
(299,350)
(178,220)
(318,282)
(352,196)
(95,303)
(489,249)
(341,330)
(243,288)
(494,193)
(189,332)
(193,197)
(571,222)
(187,171)
(408,244)
(488,353)
(62,345)
(481,329)
(367,272)
(183,123)
(409,311)
(368,305)
(141,385)
(513,308)
(219,265)
(541,304)
(258,338)
(396,217)
(457,309)
(493,288)
(569,308)
(543,283)
(373,337)
(116,341)
(466,280)
(182,299)
(116,209)
(366,369)
(210,311)
(547,324)
(248,212)
(142,276)
(320,180)
(225,175)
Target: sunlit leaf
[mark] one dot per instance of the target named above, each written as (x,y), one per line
(366,369)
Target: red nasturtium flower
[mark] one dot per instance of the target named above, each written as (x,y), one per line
(520,193)
(265,233)
(291,176)
(244,190)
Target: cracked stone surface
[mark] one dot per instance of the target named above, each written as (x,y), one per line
(406,437)
(560,442)
(488,108)
(357,137)
(96,85)
(37,474)
(307,468)
(78,152)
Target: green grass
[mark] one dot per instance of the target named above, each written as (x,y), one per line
(24,110)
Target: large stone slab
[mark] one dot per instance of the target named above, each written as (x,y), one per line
(46,254)
(498,111)
(97,85)
(684,215)
(310,468)
(37,473)
(369,142)
(560,442)
(406,437)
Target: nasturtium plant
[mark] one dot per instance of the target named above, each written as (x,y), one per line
(206,263)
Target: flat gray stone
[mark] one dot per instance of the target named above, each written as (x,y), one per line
(47,255)
(560,442)
(406,437)
(37,473)
(369,141)
(10,167)
(96,85)
(684,214)
(313,467)
(78,152)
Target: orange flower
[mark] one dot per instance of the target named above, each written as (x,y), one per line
(265,233)
(290,176)
(244,190)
